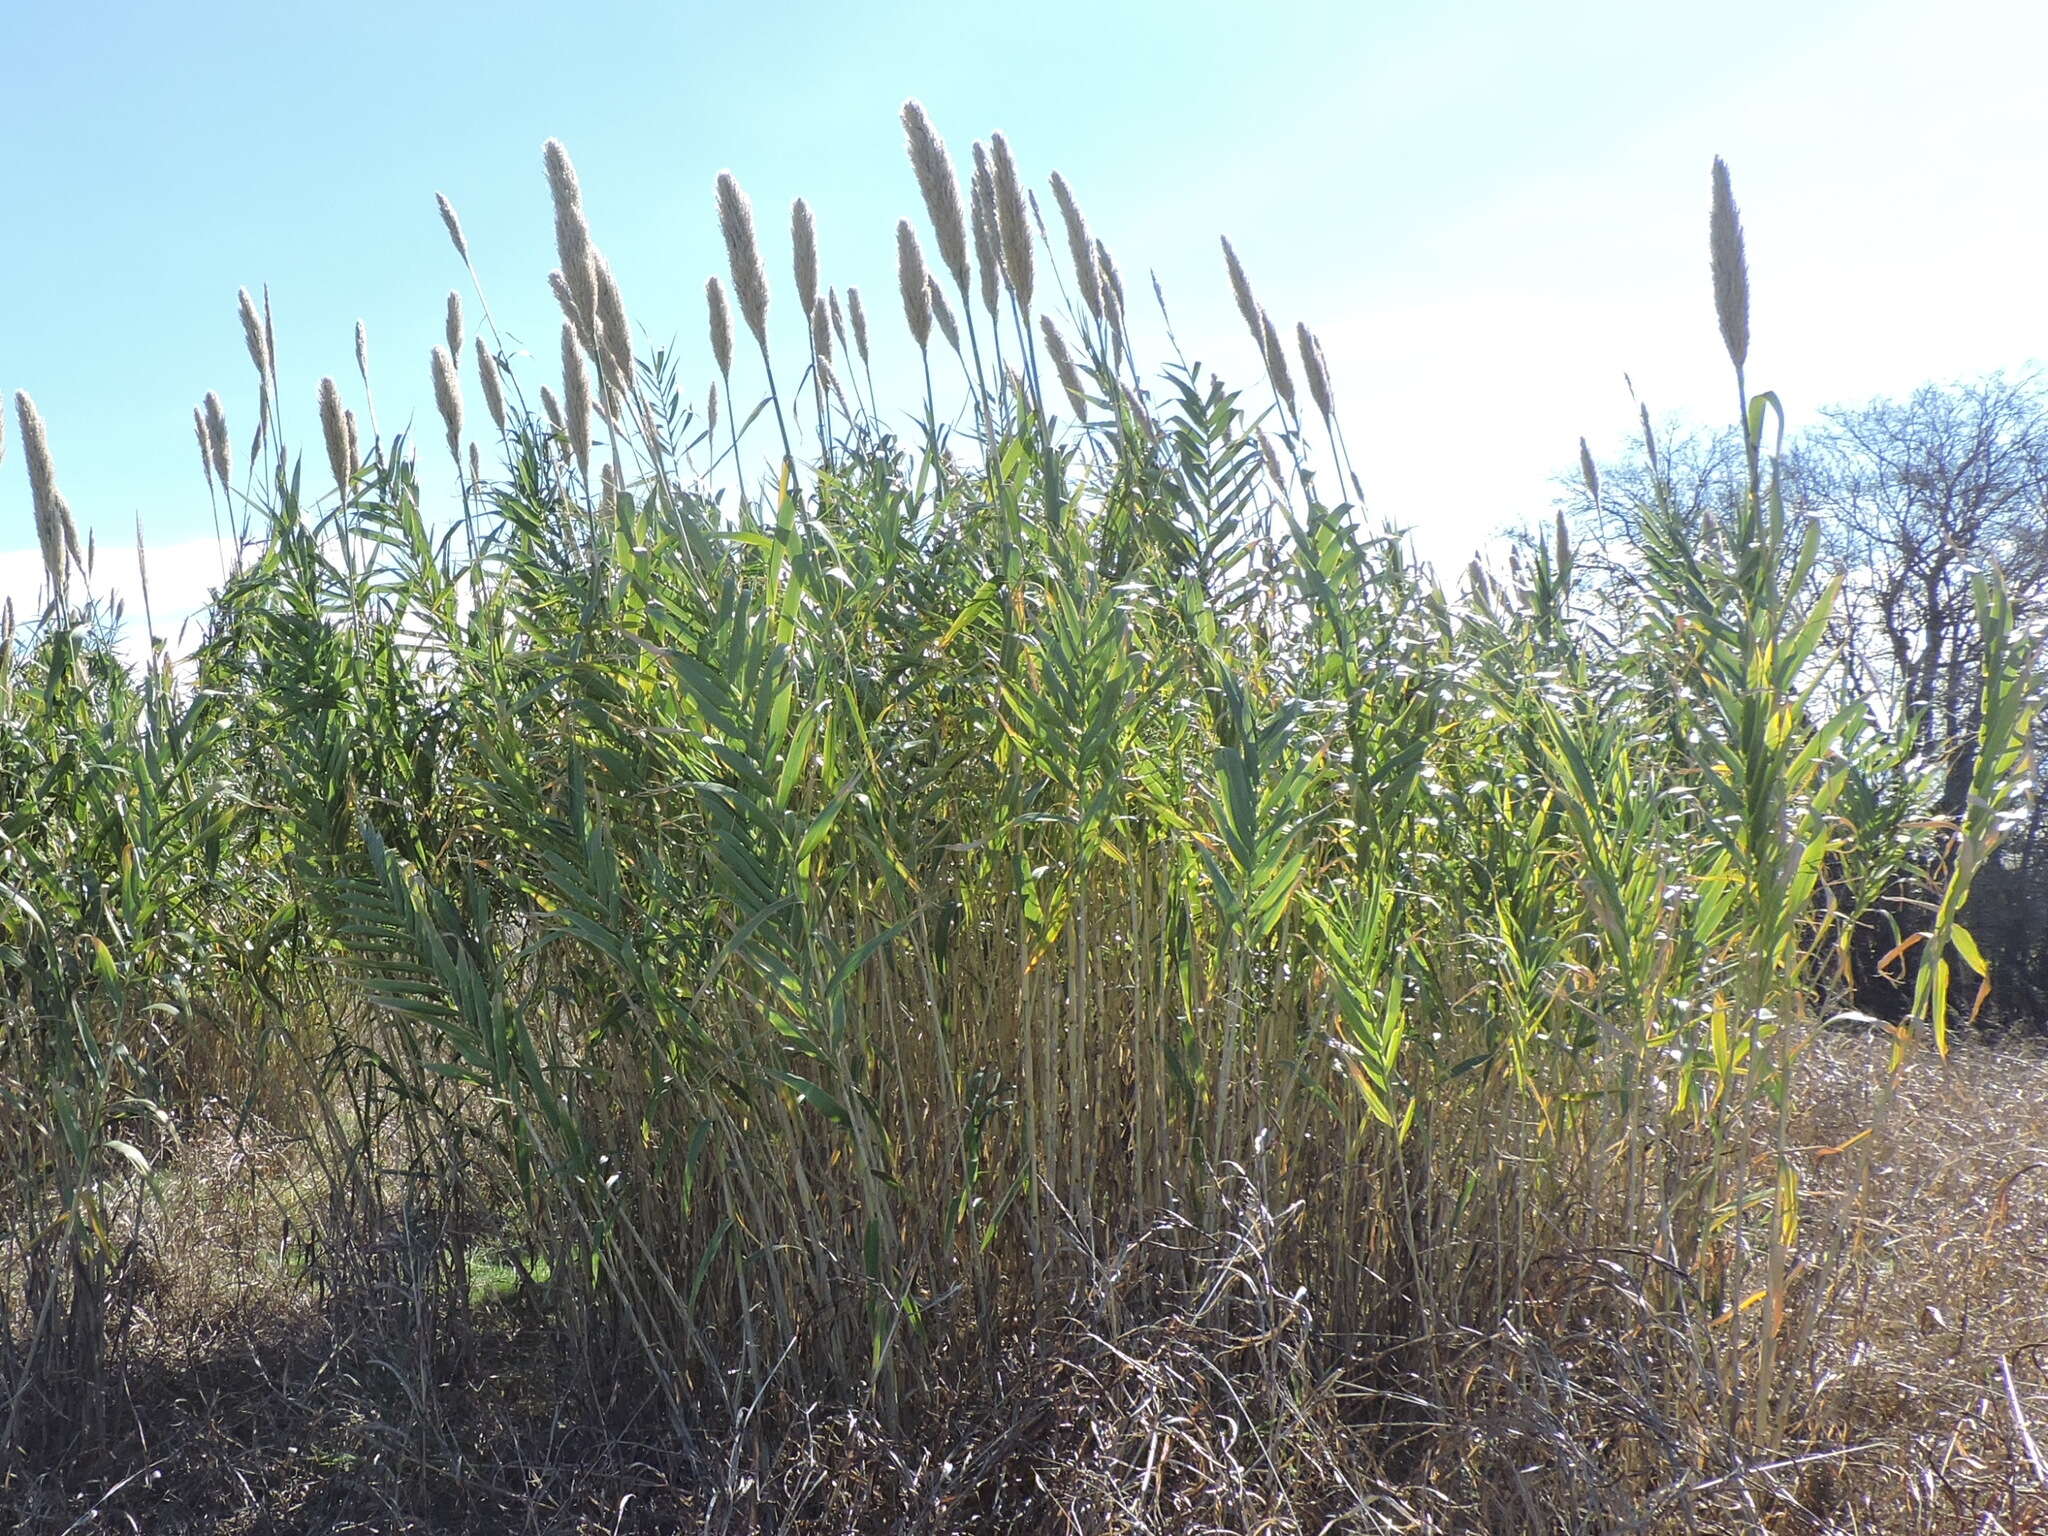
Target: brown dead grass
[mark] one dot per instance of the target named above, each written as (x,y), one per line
(255,1402)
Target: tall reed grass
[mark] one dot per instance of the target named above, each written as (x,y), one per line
(826,930)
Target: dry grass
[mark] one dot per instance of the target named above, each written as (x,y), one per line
(251,1405)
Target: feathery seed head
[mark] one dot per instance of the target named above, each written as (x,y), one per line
(913,285)
(576,399)
(572,232)
(355,452)
(53,519)
(1013,221)
(448,399)
(940,187)
(494,387)
(454,323)
(1276,361)
(1272,459)
(198,431)
(1241,289)
(803,239)
(1079,246)
(217,439)
(711,414)
(454,224)
(942,315)
(1590,473)
(721,326)
(987,260)
(476,466)
(334,428)
(743,255)
(857,313)
(1314,366)
(838,316)
(363,352)
(255,335)
(613,330)
(552,409)
(572,310)
(1063,364)
(821,331)
(1731,269)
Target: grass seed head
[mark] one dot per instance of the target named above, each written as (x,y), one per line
(743,255)
(803,240)
(942,315)
(1590,473)
(453,325)
(1013,220)
(614,331)
(1731,269)
(572,232)
(334,429)
(217,439)
(987,246)
(448,400)
(55,532)
(857,315)
(941,189)
(1276,361)
(355,449)
(1079,247)
(363,353)
(493,386)
(255,334)
(1063,364)
(1241,290)
(711,415)
(1315,368)
(552,409)
(198,431)
(572,311)
(476,466)
(912,284)
(454,224)
(821,331)
(576,400)
(721,326)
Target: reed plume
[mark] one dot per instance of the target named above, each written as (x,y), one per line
(54,529)
(493,386)
(453,324)
(572,232)
(721,326)
(1590,473)
(936,180)
(572,313)
(838,316)
(857,314)
(1276,361)
(942,314)
(198,431)
(987,243)
(1314,368)
(711,416)
(1079,247)
(614,332)
(1013,222)
(255,334)
(448,400)
(1063,364)
(476,466)
(363,353)
(1112,293)
(743,255)
(355,452)
(576,400)
(1241,290)
(803,240)
(912,284)
(552,409)
(335,430)
(454,225)
(1731,268)
(217,438)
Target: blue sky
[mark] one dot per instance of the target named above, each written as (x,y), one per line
(1490,212)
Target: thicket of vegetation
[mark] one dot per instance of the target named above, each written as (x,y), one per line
(1038,975)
